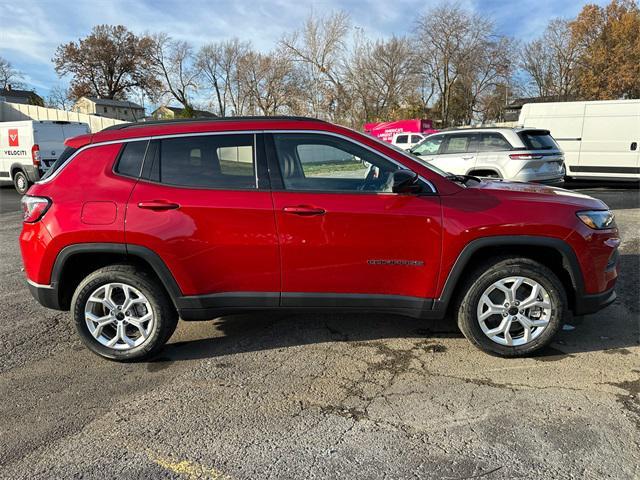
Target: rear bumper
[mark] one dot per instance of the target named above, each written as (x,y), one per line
(587,304)
(46,295)
(554,182)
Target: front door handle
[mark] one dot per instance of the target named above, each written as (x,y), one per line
(634,146)
(304,210)
(158,205)
(469,157)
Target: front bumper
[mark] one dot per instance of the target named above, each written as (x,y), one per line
(587,304)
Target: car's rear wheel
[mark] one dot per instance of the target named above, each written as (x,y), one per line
(21,182)
(511,306)
(122,314)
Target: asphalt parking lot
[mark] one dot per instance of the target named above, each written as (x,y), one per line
(321,396)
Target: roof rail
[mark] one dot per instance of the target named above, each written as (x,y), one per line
(121,126)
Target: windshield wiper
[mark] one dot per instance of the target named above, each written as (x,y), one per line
(462,178)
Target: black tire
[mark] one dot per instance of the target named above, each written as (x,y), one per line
(165,321)
(492,271)
(21,182)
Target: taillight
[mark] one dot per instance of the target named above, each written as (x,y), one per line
(33,208)
(524,156)
(35,154)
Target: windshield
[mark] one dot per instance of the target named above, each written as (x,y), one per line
(409,156)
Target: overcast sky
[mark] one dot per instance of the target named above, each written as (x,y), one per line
(30,30)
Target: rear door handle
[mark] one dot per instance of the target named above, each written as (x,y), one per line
(469,157)
(634,146)
(304,210)
(158,205)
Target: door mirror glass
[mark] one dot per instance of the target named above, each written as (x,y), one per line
(405,181)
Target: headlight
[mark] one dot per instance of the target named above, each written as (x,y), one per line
(597,219)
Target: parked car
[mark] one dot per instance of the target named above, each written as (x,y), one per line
(526,155)
(600,139)
(406,141)
(237,215)
(29,147)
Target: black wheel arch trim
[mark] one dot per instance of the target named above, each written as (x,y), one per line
(254,300)
(126,250)
(570,261)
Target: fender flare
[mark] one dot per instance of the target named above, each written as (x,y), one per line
(569,260)
(147,255)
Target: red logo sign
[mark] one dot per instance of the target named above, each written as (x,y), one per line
(13,137)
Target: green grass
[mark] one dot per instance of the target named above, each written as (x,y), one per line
(330,167)
(236,168)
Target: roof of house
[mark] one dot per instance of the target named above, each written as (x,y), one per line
(197,113)
(114,103)
(18,93)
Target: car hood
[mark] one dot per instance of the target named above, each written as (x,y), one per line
(539,193)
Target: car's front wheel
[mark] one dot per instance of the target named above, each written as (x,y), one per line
(121,313)
(511,306)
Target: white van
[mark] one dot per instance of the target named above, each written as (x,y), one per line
(28,148)
(600,139)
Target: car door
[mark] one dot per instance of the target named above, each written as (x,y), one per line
(345,239)
(203,207)
(492,153)
(457,153)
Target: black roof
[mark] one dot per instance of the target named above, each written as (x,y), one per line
(121,126)
(18,93)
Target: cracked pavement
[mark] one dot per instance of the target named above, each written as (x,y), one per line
(320,395)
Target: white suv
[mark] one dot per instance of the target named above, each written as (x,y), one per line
(523,154)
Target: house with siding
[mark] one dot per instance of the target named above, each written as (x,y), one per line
(106,107)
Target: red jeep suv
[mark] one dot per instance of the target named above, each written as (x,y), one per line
(140,224)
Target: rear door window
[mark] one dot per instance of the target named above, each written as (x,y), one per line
(538,140)
(402,139)
(461,143)
(208,161)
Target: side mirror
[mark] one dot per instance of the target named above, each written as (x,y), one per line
(405,181)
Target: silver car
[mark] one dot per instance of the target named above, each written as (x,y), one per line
(522,154)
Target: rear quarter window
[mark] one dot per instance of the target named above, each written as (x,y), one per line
(131,158)
(58,163)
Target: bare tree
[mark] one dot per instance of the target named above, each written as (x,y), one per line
(447,39)
(219,63)
(175,64)
(270,81)
(551,61)
(59,98)
(9,75)
(381,77)
(319,49)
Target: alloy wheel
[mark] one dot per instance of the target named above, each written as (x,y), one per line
(514,311)
(119,316)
